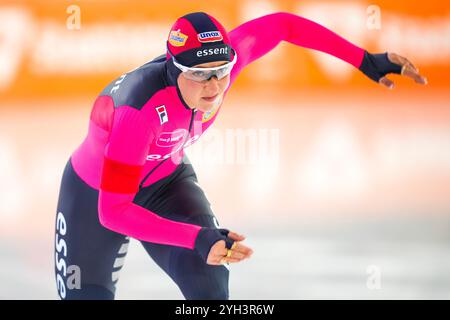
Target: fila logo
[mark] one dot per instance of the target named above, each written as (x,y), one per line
(210,36)
(162,113)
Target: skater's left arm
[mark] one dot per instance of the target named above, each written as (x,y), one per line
(257,37)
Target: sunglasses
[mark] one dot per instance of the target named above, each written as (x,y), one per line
(202,74)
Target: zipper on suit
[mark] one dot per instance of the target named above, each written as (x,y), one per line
(187,137)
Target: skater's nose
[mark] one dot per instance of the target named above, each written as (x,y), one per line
(212,85)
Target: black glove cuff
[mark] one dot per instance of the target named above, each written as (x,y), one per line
(376,66)
(207,237)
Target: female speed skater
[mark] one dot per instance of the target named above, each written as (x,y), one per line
(130,176)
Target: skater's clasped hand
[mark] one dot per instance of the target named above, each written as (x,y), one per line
(220,254)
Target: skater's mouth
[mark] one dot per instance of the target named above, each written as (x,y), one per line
(209,99)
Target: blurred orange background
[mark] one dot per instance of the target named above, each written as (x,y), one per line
(47,56)
(342,146)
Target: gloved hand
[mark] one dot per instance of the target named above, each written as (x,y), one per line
(377,66)
(212,244)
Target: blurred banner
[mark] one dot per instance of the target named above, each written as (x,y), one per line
(72,48)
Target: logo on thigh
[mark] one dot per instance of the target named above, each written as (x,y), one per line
(120,260)
(67,277)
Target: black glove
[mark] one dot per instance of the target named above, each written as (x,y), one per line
(376,66)
(207,237)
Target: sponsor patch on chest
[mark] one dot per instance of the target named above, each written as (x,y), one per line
(170,139)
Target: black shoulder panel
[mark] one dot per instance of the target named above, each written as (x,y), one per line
(136,87)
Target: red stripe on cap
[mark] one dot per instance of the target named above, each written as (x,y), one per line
(120,177)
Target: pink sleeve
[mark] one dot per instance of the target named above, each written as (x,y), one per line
(257,37)
(124,160)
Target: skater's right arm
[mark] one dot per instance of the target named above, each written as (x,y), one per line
(124,160)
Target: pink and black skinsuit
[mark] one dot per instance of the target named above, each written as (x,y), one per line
(130,177)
